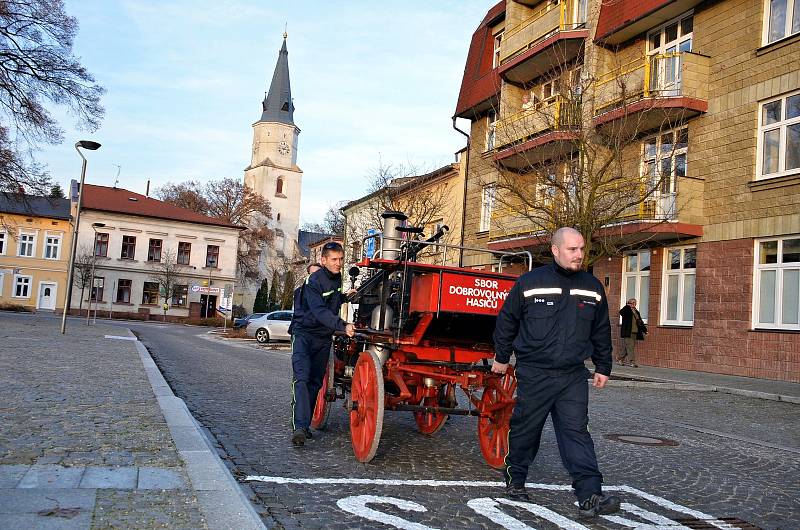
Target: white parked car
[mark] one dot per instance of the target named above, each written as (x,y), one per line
(272,326)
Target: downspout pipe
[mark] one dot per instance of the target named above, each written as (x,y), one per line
(464,203)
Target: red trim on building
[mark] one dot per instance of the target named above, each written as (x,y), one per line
(697,105)
(540,47)
(533,143)
(480,82)
(617,15)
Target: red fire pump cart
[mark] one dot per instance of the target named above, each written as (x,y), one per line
(423,331)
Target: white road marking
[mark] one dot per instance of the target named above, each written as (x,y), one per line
(117,337)
(357,505)
(659,501)
(488,508)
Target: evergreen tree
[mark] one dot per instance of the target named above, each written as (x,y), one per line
(56,192)
(288,291)
(262,298)
(272,299)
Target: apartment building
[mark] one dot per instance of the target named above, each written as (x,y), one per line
(136,240)
(701,101)
(34,251)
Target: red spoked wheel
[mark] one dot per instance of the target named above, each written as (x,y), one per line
(429,423)
(497,403)
(366,418)
(322,407)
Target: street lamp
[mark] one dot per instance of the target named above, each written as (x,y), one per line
(95,226)
(91,146)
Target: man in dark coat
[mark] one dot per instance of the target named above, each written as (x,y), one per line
(633,328)
(554,318)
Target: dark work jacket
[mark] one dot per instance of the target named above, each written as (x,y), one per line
(320,299)
(555,319)
(627,315)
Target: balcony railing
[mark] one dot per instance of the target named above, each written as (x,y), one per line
(555,114)
(547,20)
(677,74)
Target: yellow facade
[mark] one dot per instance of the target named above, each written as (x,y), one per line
(33,261)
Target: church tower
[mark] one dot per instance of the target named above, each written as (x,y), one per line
(273,170)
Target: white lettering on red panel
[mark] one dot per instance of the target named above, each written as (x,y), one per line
(462,293)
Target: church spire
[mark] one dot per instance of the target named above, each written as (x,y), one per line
(277,105)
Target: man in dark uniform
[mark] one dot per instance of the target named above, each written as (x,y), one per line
(297,304)
(553,319)
(321,298)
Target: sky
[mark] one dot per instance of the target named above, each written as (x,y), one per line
(372,82)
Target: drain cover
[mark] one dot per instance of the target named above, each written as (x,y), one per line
(734,522)
(637,439)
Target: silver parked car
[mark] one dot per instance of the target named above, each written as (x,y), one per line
(272,326)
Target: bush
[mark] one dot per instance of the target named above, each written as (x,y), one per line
(197,321)
(15,307)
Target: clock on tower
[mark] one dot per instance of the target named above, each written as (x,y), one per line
(283,148)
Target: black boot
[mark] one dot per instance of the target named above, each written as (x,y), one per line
(299,437)
(598,504)
(517,492)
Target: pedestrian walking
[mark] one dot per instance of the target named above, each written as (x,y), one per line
(632,329)
(320,300)
(554,318)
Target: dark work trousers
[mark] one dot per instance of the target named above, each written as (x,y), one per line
(309,361)
(565,396)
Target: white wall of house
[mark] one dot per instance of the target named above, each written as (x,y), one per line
(113,267)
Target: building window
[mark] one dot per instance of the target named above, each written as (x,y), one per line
(97,289)
(663,162)
(487,205)
(2,243)
(27,244)
(184,252)
(664,45)
(279,186)
(498,40)
(636,280)
(779,136)
(679,282)
(101,245)
(180,294)
(278,216)
(491,122)
(150,293)
(782,19)
(22,286)
(124,291)
(128,247)
(777,284)
(212,256)
(52,247)
(154,250)
(356,253)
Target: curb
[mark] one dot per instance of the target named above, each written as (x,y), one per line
(222,500)
(671,384)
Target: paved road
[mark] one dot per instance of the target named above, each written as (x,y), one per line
(735,457)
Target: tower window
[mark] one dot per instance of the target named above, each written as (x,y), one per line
(279,186)
(278,217)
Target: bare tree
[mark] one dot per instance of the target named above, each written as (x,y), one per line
(332,223)
(233,202)
(85,262)
(590,176)
(167,274)
(37,66)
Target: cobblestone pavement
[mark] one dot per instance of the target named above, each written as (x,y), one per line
(734,457)
(83,442)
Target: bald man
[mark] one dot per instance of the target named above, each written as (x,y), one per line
(554,318)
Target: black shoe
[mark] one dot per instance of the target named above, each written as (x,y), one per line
(308,434)
(299,437)
(517,493)
(598,505)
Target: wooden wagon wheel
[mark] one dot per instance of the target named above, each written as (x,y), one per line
(322,407)
(493,428)
(429,423)
(366,418)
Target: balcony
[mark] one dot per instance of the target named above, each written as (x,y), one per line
(649,93)
(535,135)
(552,36)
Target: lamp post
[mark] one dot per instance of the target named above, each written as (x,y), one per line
(91,146)
(95,226)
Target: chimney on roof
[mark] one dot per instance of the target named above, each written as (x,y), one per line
(147,191)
